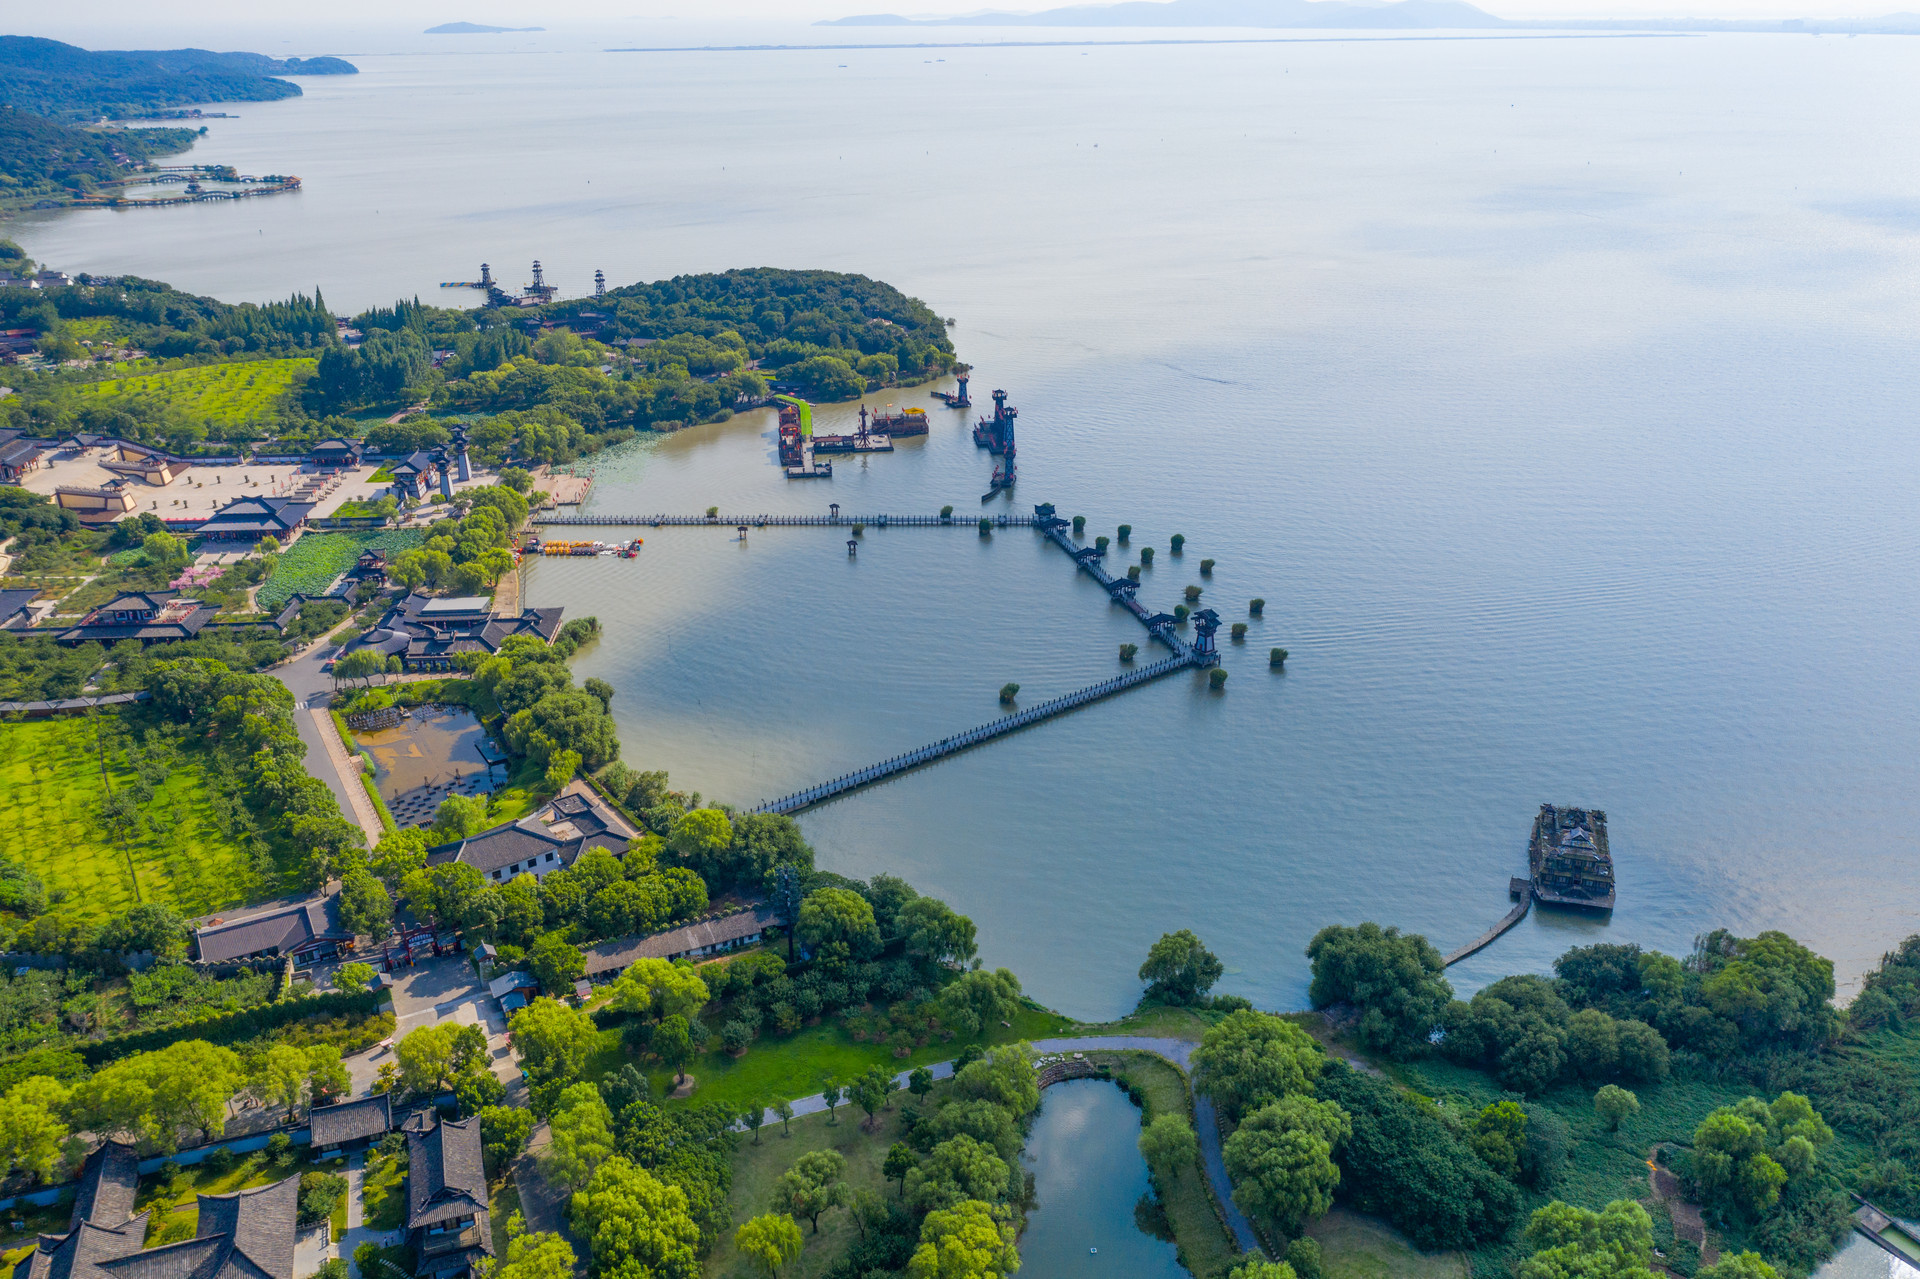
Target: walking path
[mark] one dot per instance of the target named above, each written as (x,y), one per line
(1178,1051)
(347,768)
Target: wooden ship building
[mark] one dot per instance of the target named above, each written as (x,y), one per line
(1567,858)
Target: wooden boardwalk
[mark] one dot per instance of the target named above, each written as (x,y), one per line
(1492,935)
(972,737)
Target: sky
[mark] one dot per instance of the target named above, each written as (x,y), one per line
(140,23)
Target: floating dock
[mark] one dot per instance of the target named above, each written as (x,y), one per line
(1516,887)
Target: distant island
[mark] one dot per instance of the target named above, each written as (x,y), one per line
(1358,15)
(52,147)
(1342,14)
(474,29)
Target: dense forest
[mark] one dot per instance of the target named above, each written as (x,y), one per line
(49,78)
(538,384)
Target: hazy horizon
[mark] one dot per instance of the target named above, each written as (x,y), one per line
(375,26)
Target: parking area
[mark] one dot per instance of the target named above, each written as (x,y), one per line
(428,994)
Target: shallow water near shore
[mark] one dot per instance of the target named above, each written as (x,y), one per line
(1555,395)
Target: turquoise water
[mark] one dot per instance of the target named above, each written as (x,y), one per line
(1556,395)
(1088,1174)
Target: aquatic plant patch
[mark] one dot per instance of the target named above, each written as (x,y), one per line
(311,564)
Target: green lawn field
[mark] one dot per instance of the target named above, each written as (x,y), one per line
(51,790)
(243,393)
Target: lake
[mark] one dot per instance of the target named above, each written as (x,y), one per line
(1555,394)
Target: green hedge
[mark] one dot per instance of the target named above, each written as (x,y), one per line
(227,1028)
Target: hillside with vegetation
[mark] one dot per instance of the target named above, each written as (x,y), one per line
(541,384)
(63,81)
(42,159)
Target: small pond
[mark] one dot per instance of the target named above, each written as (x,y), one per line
(434,752)
(1088,1175)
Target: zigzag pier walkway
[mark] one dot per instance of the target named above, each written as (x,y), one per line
(972,737)
(1121,590)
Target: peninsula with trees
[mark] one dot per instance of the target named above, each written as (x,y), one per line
(55,145)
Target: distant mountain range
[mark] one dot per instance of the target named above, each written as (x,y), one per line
(59,80)
(474,29)
(1351,15)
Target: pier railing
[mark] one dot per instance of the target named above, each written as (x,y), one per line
(972,737)
(788,521)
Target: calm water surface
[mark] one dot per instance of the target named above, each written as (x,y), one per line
(1088,1174)
(1556,395)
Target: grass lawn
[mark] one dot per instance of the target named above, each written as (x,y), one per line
(243,393)
(1357,1247)
(1158,1022)
(51,789)
(178,1201)
(382,1192)
(791,1067)
(757,1168)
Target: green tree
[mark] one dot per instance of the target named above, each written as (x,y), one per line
(430,1058)
(460,816)
(365,908)
(935,933)
(832,1094)
(658,989)
(956,1170)
(1395,980)
(700,838)
(582,1129)
(156,1094)
(1167,1144)
(637,1225)
(1261,1268)
(1499,1136)
(353,978)
(562,767)
(754,1116)
(815,1184)
(784,1109)
(557,962)
(1005,1077)
(672,1043)
(980,999)
(505,1130)
(535,1256)
(552,1039)
(1743,1265)
(899,1162)
(920,1082)
(964,1241)
(772,1239)
(1252,1058)
(1179,970)
(1281,1160)
(870,1091)
(32,1133)
(1303,1255)
(1578,1243)
(1615,1105)
(837,925)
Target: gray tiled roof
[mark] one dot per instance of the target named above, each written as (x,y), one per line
(614,956)
(108,1185)
(245,1235)
(276,930)
(446,1173)
(350,1121)
(502,846)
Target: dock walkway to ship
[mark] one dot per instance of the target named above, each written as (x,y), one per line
(1524,889)
(790,521)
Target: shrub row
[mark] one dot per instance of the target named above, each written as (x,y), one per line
(227,1028)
